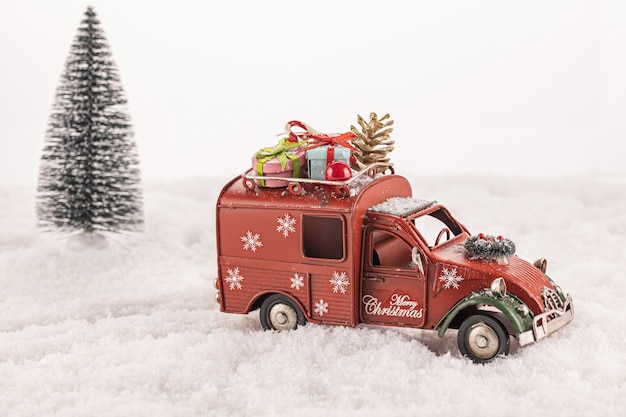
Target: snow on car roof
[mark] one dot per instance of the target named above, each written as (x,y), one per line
(401,206)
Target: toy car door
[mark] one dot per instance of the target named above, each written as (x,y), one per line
(393,288)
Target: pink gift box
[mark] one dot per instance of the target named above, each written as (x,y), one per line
(272,168)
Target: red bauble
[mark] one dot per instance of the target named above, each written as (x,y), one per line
(481,235)
(338,171)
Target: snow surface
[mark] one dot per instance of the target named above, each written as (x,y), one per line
(401,205)
(129,327)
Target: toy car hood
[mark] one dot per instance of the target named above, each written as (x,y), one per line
(521,277)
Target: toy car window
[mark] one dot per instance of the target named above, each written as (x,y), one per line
(431,224)
(322,237)
(389,251)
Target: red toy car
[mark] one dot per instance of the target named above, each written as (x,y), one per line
(366,251)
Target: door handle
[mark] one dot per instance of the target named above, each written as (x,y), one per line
(374,278)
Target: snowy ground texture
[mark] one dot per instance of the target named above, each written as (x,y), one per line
(129,327)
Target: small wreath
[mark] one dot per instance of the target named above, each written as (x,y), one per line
(490,248)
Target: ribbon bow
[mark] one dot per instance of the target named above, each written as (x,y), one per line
(322,139)
(317,139)
(308,133)
(280,152)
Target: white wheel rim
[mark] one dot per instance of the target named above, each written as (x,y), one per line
(482,341)
(282,317)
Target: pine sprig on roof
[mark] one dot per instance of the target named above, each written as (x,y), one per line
(489,248)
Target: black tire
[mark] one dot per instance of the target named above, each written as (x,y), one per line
(482,338)
(279,312)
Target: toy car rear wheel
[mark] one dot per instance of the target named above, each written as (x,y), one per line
(483,338)
(279,312)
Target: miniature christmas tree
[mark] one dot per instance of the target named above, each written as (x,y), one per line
(89,178)
(373,140)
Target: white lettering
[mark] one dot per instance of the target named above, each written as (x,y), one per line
(399,306)
(403,301)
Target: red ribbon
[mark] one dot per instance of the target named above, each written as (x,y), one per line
(341,140)
(318,139)
(308,133)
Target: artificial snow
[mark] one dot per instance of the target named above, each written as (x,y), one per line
(357,184)
(128,326)
(401,205)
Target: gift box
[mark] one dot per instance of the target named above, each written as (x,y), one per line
(319,157)
(286,160)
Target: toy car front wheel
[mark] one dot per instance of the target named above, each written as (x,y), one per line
(482,338)
(279,312)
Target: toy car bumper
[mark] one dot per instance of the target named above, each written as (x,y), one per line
(548,322)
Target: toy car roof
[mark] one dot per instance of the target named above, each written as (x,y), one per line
(315,195)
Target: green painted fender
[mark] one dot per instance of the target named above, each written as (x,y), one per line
(507,305)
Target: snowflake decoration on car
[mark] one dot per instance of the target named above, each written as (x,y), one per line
(234,279)
(321,307)
(450,278)
(251,241)
(297,281)
(340,282)
(286,225)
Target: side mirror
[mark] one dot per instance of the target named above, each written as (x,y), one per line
(417,259)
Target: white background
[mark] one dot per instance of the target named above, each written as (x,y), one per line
(509,88)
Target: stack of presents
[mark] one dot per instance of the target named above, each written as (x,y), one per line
(305,154)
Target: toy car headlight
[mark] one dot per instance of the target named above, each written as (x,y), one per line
(541,264)
(498,287)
